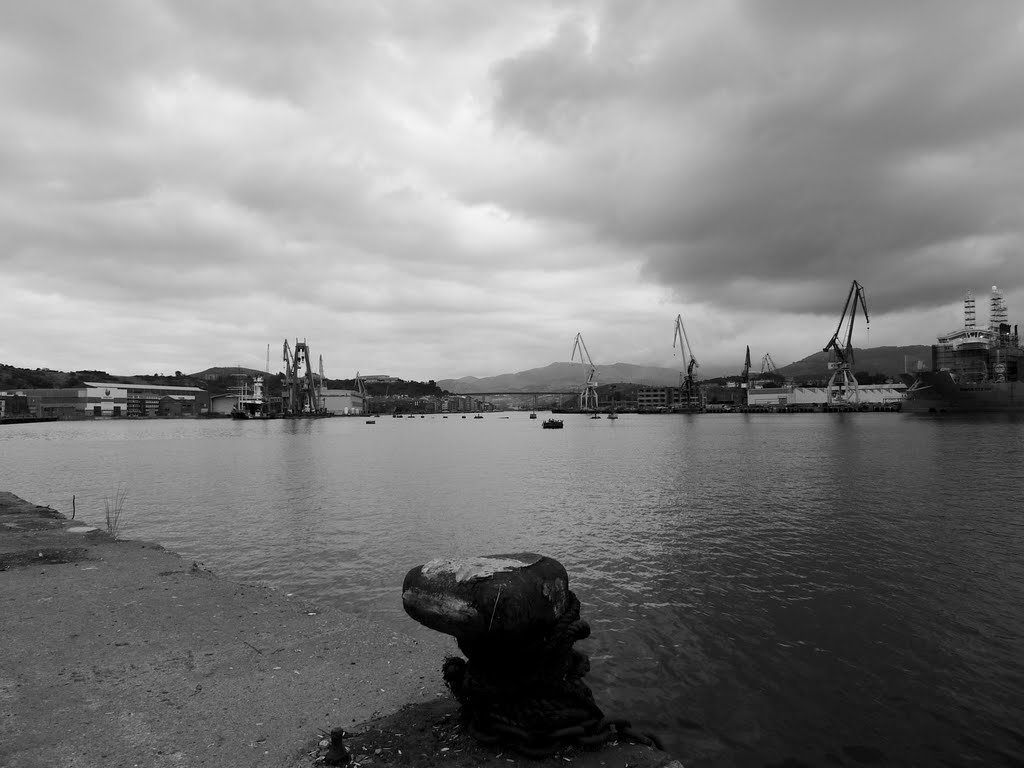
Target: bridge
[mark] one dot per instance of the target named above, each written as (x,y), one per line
(553,398)
(573,392)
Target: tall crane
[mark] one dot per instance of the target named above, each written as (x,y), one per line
(302,395)
(767,364)
(746,376)
(693,399)
(588,395)
(364,396)
(842,386)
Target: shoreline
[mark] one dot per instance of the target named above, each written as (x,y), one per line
(120,652)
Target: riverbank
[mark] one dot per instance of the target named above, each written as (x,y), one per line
(120,653)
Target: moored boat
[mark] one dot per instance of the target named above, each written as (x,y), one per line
(552,424)
(251,404)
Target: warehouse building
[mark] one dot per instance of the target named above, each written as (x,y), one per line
(343,402)
(868,394)
(114,400)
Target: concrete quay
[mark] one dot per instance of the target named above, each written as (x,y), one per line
(119,653)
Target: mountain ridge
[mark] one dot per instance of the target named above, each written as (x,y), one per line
(887,361)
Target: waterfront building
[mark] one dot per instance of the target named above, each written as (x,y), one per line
(111,400)
(343,402)
(783,397)
(657,398)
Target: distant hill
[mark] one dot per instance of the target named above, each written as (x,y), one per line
(563,377)
(556,377)
(221,371)
(889,361)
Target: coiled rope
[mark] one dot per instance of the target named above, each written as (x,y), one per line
(528,692)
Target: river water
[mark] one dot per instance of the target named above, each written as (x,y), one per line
(763,590)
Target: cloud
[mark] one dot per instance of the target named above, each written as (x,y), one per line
(731,144)
(458,189)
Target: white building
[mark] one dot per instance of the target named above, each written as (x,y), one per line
(780,397)
(343,402)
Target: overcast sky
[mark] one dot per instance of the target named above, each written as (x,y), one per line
(452,188)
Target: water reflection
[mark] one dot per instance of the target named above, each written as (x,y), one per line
(761,588)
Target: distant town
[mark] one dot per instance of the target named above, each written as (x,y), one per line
(37,394)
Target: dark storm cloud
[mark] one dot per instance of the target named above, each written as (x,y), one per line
(500,175)
(787,143)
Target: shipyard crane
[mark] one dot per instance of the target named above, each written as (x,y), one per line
(842,386)
(746,376)
(363,394)
(768,365)
(692,396)
(320,406)
(588,395)
(302,396)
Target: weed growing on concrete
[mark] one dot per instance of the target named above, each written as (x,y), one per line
(114,507)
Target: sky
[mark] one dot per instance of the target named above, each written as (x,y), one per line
(434,190)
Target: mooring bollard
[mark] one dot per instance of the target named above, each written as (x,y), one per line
(515,619)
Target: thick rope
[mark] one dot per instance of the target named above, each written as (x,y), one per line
(529,692)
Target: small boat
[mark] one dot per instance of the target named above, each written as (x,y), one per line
(371,421)
(478,416)
(533,415)
(612,415)
(552,424)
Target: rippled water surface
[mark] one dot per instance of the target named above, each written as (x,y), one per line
(821,589)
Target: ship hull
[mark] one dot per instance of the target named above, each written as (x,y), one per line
(939,392)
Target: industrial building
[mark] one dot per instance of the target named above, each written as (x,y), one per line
(788,397)
(658,398)
(112,400)
(342,402)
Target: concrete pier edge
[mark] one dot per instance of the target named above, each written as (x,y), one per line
(122,653)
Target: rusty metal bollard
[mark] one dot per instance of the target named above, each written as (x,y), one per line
(515,619)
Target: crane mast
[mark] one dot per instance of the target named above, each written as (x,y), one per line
(692,396)
(842,386)
(746,377)
(588,395)
(361,389)
(302,395)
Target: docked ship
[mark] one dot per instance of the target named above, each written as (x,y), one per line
(973,370)
(251,404)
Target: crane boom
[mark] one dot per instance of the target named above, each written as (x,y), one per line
(681,337)
(588,395)
(842,386)
(691,391)
(301,394)
(844,352)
